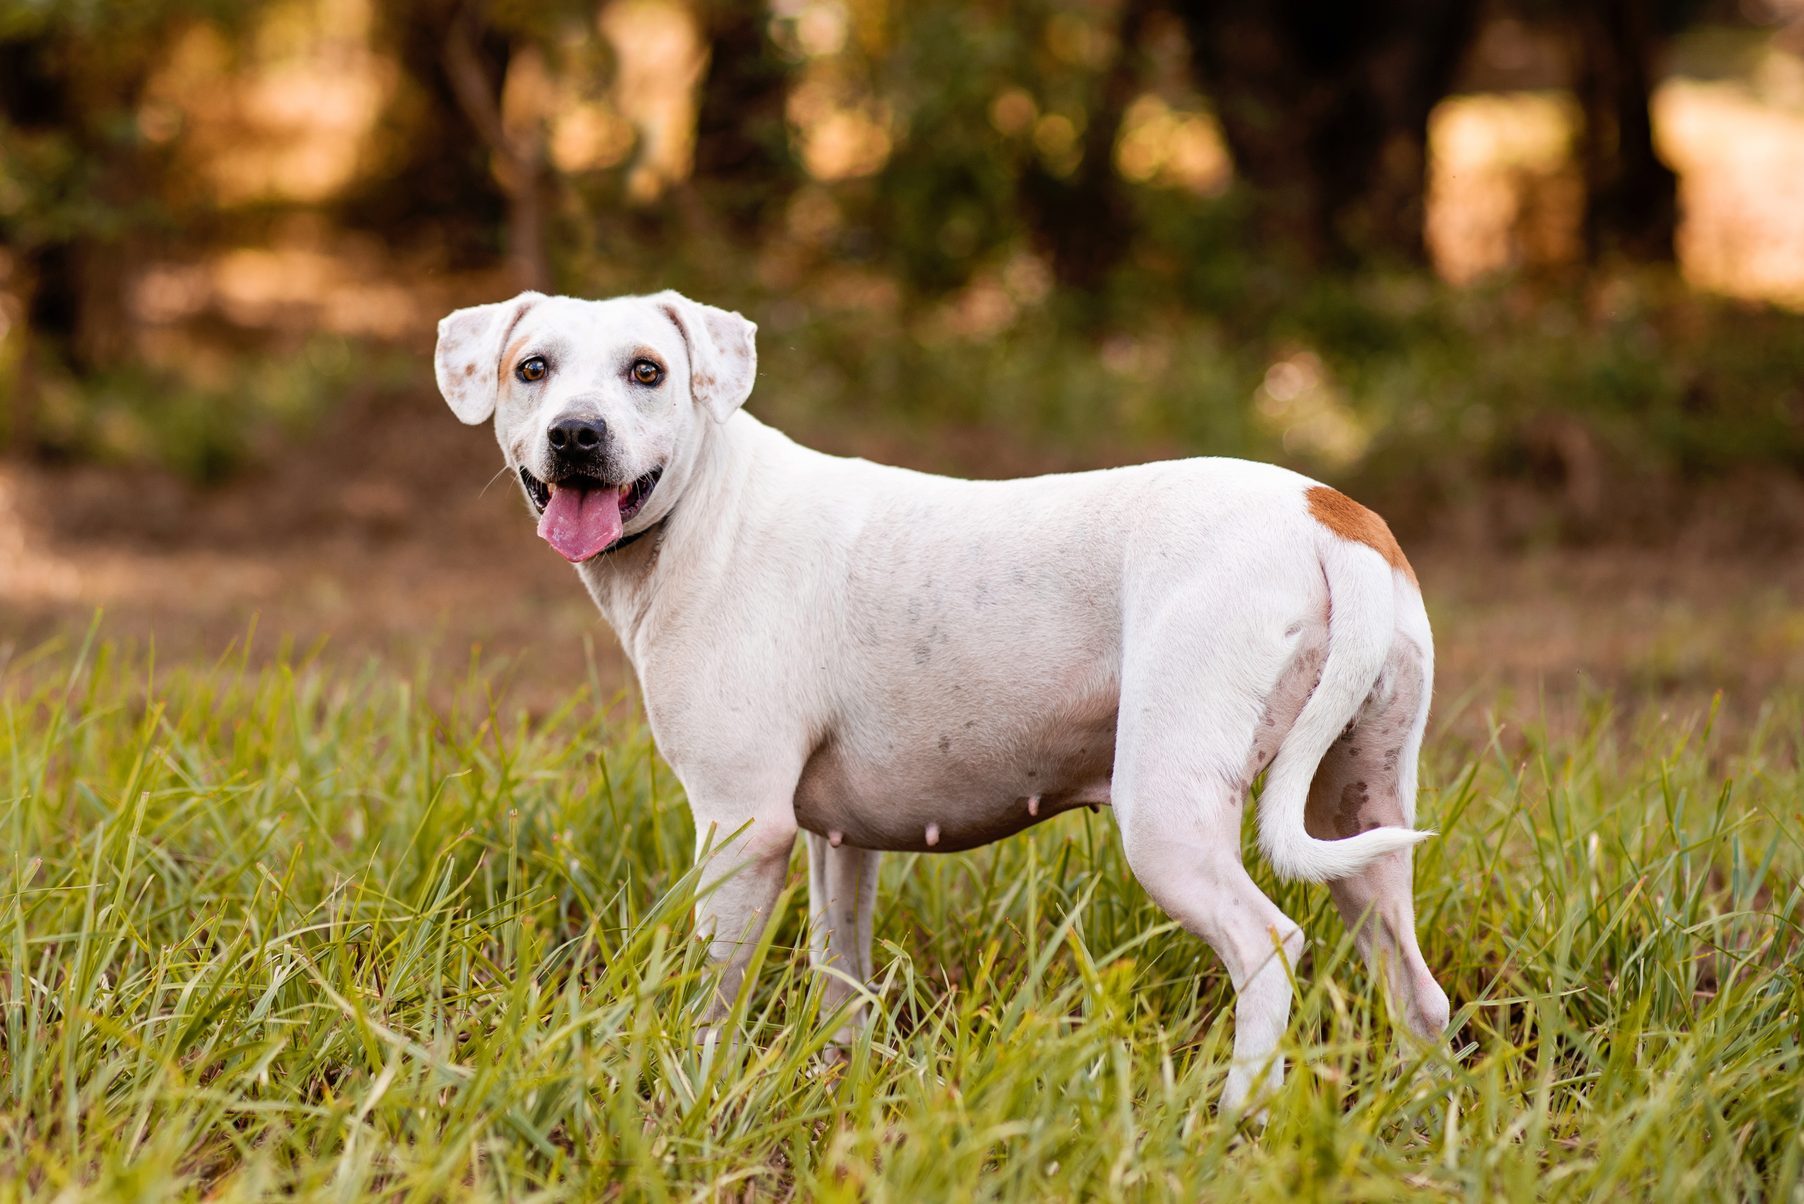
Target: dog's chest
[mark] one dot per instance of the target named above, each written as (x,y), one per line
(958,782)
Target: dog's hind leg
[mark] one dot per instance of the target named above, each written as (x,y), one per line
(1368,780)
(1179,788)
(842,894)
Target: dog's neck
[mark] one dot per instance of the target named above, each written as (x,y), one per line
(626,581)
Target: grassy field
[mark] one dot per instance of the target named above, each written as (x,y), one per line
(308,930)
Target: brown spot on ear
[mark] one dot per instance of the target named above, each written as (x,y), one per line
(469,369)
(1350,520)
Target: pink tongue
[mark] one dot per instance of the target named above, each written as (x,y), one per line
(581,523)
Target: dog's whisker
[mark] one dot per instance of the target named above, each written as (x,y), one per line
(499,473)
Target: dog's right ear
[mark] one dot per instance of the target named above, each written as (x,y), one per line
(468,360)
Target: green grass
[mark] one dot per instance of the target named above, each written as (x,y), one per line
(322,932)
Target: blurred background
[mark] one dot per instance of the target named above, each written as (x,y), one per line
(1526,276)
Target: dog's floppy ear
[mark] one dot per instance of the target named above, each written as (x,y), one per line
(723,352)
(468,360)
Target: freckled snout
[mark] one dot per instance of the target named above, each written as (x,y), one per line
(578,444)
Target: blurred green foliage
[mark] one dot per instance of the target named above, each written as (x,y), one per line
(989,289)
(1440,388)
(244,411)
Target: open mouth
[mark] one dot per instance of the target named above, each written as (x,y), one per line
(582,516)
(633,494)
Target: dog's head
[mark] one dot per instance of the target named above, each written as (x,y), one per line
(597,403)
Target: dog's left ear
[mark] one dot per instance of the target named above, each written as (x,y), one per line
(468,360)
(723,352)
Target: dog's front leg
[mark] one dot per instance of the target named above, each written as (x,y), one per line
(743,866)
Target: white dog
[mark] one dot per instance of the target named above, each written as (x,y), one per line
(884,659)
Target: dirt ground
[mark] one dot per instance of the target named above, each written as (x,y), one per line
(378,537)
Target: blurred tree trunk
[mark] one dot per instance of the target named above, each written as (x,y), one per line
(517,147)
(70,116)
(1631,195)
(1082,221)
(73,266)
(1325,110)
(428,175)
(744,166)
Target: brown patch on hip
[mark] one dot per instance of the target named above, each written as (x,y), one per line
(1350,520)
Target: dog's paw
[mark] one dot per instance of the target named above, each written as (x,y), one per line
(831,1065)
(1248,1090)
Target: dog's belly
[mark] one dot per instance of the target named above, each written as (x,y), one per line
(943,793)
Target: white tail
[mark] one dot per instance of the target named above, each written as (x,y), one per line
(1362,615)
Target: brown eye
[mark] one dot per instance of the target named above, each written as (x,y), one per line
(647,373)
(532,369)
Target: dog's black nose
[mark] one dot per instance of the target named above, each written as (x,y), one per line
(577,436)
